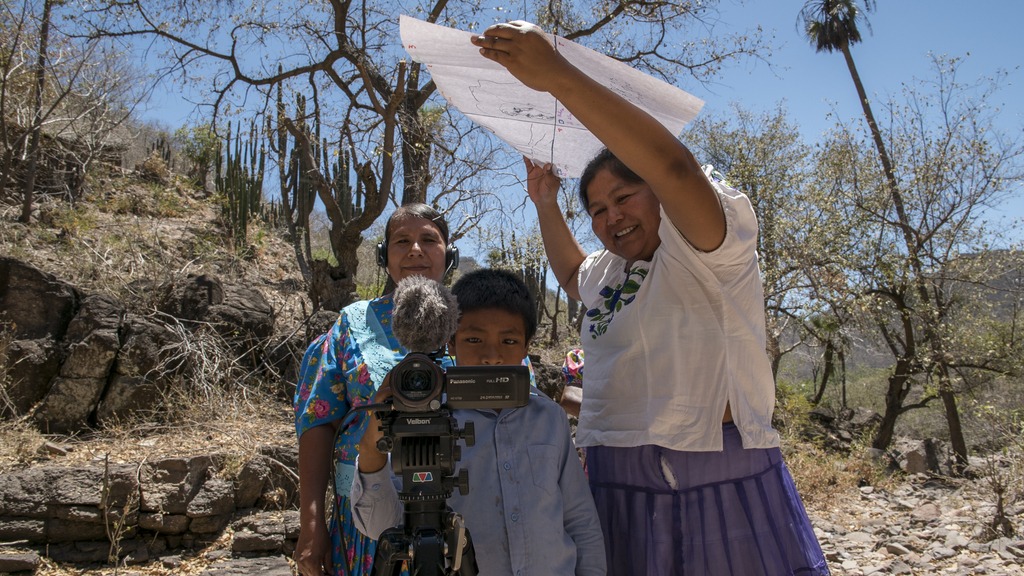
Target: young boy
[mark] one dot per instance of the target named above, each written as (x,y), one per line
(529,509)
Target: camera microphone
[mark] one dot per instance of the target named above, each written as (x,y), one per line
(425,315)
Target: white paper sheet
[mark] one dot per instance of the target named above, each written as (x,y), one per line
(532,122)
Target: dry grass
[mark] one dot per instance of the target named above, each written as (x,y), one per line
(192,563)
(822,476)
(234,424)
(125,231)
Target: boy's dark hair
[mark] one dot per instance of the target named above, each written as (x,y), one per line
(487,288)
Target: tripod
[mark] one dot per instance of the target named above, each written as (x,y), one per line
(432,539)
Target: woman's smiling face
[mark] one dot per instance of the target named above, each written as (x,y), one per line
(415,247)
(625,216)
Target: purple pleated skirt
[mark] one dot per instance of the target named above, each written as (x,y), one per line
(729,513)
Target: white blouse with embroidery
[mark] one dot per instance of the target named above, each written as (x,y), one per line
(670,341)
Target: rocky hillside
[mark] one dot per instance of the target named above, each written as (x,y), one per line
(196,476)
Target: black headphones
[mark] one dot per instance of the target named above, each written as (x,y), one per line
(451,257)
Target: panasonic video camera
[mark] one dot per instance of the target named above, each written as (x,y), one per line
(419,384)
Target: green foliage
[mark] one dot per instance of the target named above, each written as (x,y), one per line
(161,148)
(71,221)
(832,25)
(201,146)
(792,408)
(154,168)
(325,254)
(330,159)
(167,202)
(273,214)
(370,291)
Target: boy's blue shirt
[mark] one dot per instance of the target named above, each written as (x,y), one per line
(529,509)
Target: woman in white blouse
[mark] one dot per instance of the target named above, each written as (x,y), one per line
(676,417)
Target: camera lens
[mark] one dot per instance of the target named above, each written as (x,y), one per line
(416,383)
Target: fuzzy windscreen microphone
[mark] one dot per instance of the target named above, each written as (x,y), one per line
(425,315)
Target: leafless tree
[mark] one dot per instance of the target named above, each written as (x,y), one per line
(61,99)
(386,112)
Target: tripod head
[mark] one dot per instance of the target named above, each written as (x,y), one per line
(432,539)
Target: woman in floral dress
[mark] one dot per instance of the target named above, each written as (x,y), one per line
(343,369)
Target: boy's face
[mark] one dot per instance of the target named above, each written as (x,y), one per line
(489,337)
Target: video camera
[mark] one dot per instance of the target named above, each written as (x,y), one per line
(420,384)
(421,434)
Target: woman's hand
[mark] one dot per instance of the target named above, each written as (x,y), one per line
(313,550)
(371,459)
(525,51)
(541,184)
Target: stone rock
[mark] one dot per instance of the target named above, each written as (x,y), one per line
(146,367)
(11,562)
(31,367)
(920,456)
(863,418)
(209,524)
(281,491)
(238,313)
(270,566)
(927,513)
(68,531)
(250,482)
(77,359)
(245,542)
(79,552)
(169,485)
(38,304)
(14,529)
(823,414)
(216,497)
(548,378)
(897,549)
(94,334)
(163,523)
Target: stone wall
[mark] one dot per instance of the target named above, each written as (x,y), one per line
(136,511)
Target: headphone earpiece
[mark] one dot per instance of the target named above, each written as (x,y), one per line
(451,258)
(382,254)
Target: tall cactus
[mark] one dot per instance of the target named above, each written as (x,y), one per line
(332,160)
(162,146)
(239,180)
(314,168)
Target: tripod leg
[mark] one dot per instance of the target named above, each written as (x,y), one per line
(468,565)
(392,550)
(428,556)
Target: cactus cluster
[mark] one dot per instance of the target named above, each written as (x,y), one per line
(239,180)
(162,147)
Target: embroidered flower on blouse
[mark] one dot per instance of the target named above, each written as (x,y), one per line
(614,300)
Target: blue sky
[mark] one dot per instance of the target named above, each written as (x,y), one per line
(894,50)
(814,85)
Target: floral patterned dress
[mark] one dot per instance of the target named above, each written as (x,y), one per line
(342,369)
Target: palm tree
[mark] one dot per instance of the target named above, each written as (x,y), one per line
(832,25)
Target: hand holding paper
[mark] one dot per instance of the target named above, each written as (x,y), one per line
(526,52)
(533,121)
